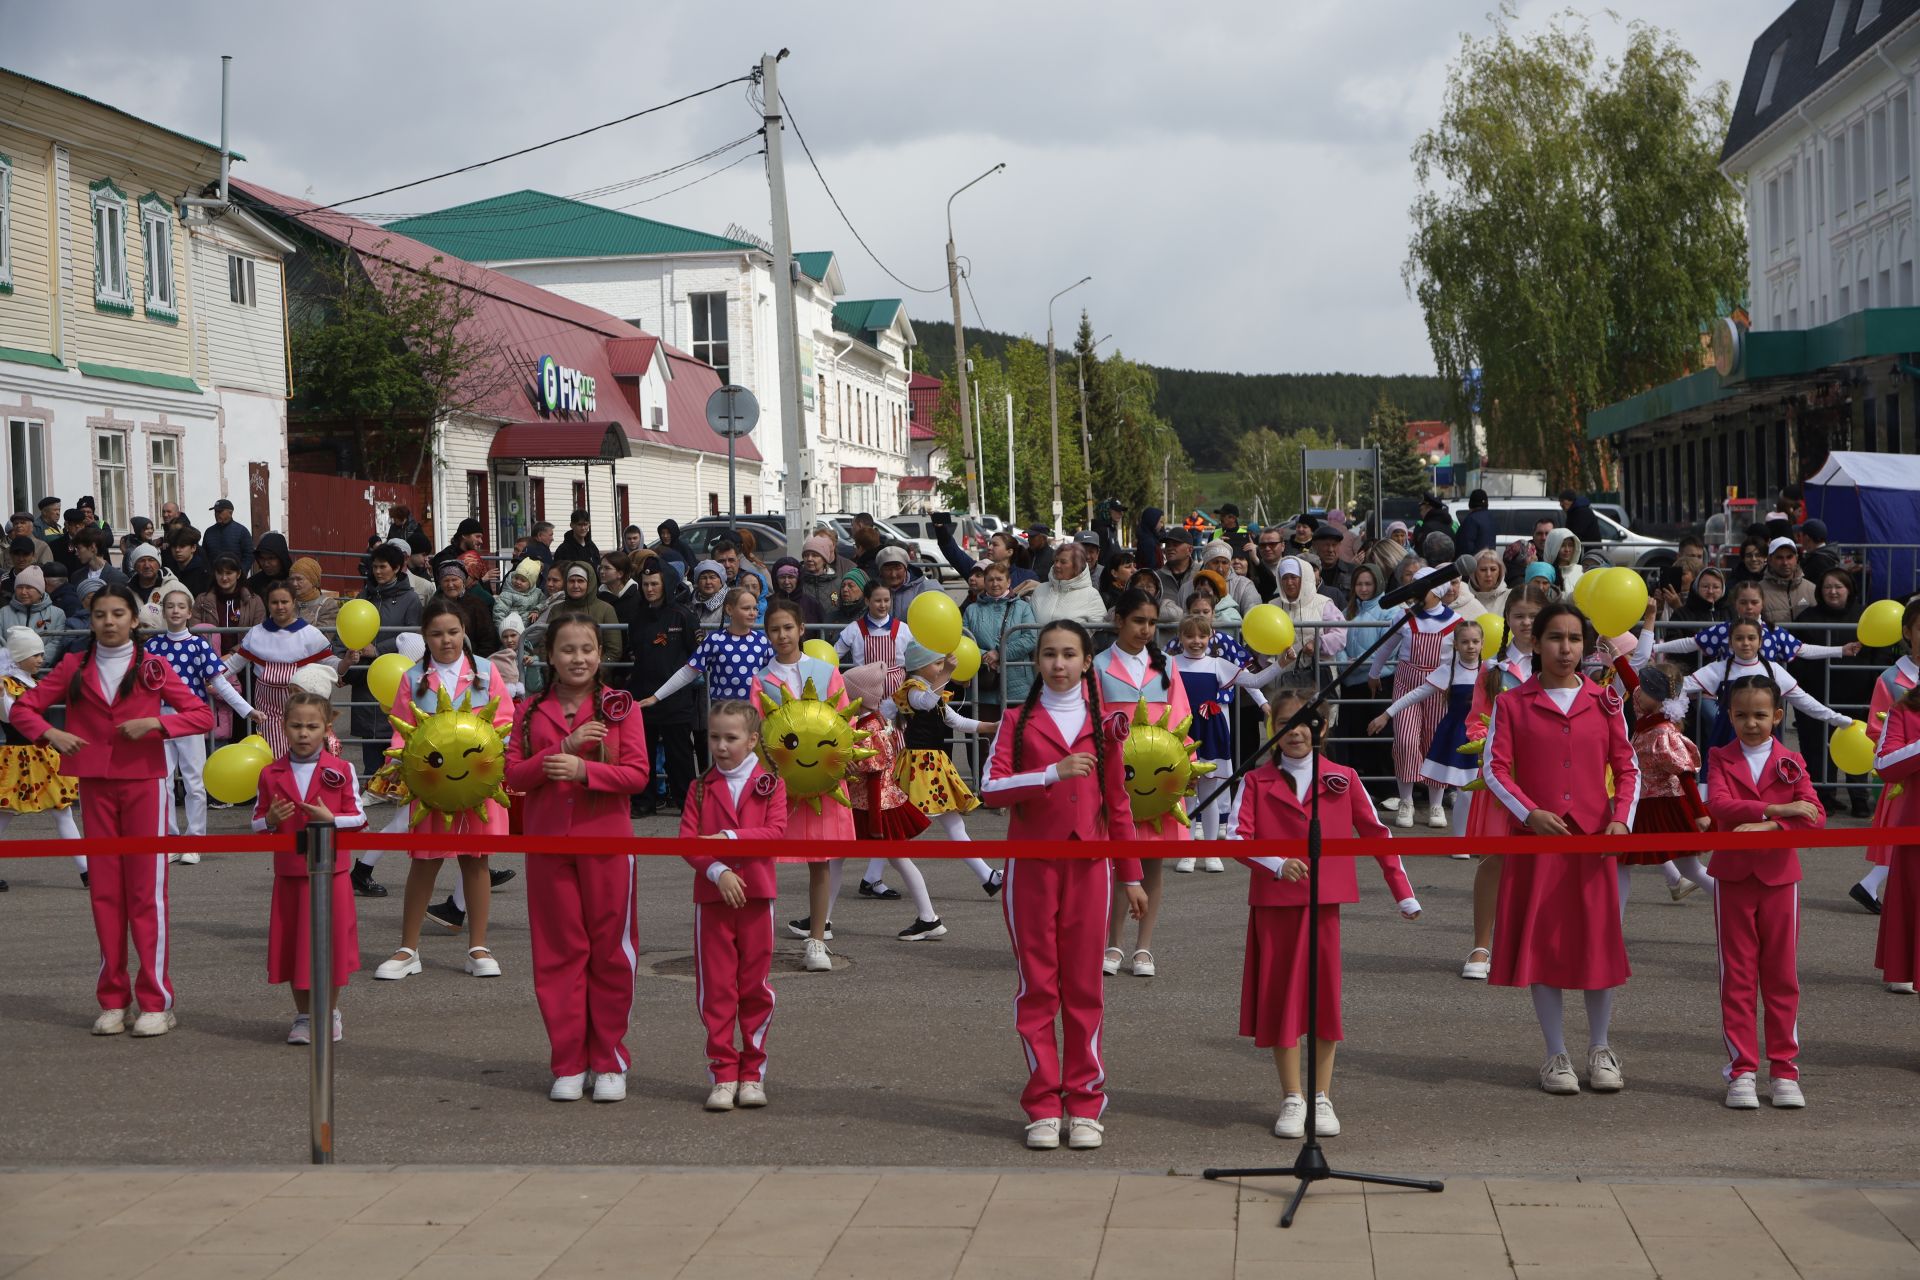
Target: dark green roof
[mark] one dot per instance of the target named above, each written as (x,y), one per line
(532,224)
(145,378)
(814,266)
(865,317)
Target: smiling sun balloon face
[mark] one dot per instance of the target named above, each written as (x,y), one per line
(810,744)
(1160,767)
(452,761)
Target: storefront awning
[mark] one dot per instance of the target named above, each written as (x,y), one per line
(559,442)
(916,484)
(859,475)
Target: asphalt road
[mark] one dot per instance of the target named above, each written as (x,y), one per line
(906,1054)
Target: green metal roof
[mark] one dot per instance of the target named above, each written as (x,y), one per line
(39,359)
(869,315)
(533,224)
(1772,356)
(114,373)
(815,266)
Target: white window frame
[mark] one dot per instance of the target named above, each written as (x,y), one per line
(6,224)
(163,477)
(112,291)
(156,236)
(703,348)
(241,281)
(110,478)
(27,461)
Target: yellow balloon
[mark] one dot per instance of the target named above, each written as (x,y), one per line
(453,761)
(818,648)
(1161,768)
(254,744)
(1880,624)
(358,624)
(811,745)
(232,774)
(385,675)
(934,619)
(1618,603)
(1851,749)
(1583,590)
(966,659)
(1493,633)
(1267,629)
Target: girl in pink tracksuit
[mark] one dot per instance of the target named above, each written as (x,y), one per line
(733,904)
(578,753)
(1056,763)
(117,702)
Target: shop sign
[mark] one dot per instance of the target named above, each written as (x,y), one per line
(564,390)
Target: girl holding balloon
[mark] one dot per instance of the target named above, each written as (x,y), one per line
(198,665)
(1897,757)
(1893,688)
(275,649)
(923,707)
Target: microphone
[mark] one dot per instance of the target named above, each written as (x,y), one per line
(1419,587)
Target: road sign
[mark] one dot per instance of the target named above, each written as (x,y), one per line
(732,411)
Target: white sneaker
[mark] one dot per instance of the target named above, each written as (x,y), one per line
(1403,817)
(751,1093)
(1556,1076)
(301,1032)
(568,1088)
(1325,1123)
(610,1086)
(721,1098)
(1293,1117)
(1900,988)
(1786,1094)
(1391,804)
(1681,890)
(156,1022)
(481,964)
(111,1022)
(1044,1135)
(1084,1134)
(1477,970)
(817,958)
(1110,962)
(405,962)
(1603,1071)
(1437,816)
(1461,857)
(337,1034)
(1143,964)
(1741,1094)
(188,859)
(1183,865)
(1212,864)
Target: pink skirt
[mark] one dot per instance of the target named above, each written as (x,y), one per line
(1273,982)
(1881,855)
(833,822)
(1897,953)
(289,938)
(1486,816)
(1557,923)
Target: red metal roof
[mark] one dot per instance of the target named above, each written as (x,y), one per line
(859,475)
(923,397)
(916,484)
(524,323)
(560,442)
(631,357)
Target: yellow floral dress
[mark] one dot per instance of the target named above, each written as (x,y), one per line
(926,771)
(30,777)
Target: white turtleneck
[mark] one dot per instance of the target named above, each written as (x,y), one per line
(1757,757)
(1069,712)
(1299,772)
(110,663)
(736,779)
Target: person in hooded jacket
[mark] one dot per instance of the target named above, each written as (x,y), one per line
(1069,593)
(1563,557)
(670,547)
(1577,511)
(271,561)
(662,640)
(787,585)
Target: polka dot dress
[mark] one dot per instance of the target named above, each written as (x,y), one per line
(731,662)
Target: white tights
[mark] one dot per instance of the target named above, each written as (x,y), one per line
(1549,1007)
(954,827)
(1206,824)
(1872,881)
(1686,867)
(1436,794)
(63,825)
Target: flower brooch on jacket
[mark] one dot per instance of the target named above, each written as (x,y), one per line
(153,674)
(332,778)
(1788,770)
(616,704)
(763,786)
(1335,783)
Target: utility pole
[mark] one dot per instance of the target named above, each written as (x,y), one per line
(1013,512)
(1053,403)
(960,351)
(979,438)
(798,498)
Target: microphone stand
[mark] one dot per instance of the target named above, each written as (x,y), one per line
(1310,1166)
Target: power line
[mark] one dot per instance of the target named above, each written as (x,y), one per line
(538,146)
(836,204)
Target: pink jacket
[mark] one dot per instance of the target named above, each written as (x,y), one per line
(1087,808)
(95,720)
(1539,757)
(616,769)
(1897,758)
(760,815)
(332,785)
(1269,810)
(1734,798)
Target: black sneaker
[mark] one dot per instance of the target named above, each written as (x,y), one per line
(4,886)
(447,915)
(921,930)
(364,884)
(992,886)
(878,889)
(1860,895)
(86,881)
(500,877)
(802,928)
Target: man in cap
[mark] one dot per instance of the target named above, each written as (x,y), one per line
(1108,523)
(467,536)
(227,537)
(1817,559)
(1784,590)
(895,572)
(23,525)
(1176,565)
(1040,550)
(1336,575)
(50,528)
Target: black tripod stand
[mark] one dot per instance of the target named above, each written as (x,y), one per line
(1310,1166)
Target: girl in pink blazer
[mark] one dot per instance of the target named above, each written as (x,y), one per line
(577,755)
(1756,784)
(1894,686)
(733,905)
(1056,763)
(1133,669)
(448,672)
(117,702)
(1897,953)
(1273,983)
(309,783)
(1557,919)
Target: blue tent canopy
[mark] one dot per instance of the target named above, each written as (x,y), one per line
(1871,502)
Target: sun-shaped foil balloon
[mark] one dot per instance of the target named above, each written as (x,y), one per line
(1161,768)
(452,761)
(811,744)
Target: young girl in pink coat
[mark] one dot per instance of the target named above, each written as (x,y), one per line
(577,755)
(1756,784)
(308,784)
(1557,921)
(448,672)
(1273,982)
(118,725)
(1057,764)
(1133,669)
(1897,953)
(733,898)
(1893,687)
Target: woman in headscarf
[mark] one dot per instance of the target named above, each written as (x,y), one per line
(271,560)
(1300,597)
(1489,579)
(1068,591)
(317,606)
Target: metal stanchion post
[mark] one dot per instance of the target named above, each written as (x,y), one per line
(317,840)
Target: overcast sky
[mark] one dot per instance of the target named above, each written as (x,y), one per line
(1235,177)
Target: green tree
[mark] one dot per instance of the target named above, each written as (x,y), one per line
(1572,236)
(1403,473)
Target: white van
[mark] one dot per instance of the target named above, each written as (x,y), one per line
(1514,518)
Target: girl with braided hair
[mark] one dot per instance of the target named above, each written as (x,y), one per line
(1057,765)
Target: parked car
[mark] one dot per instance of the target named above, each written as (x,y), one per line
(769,536)
(1514,518)
(917,532)
(925,552)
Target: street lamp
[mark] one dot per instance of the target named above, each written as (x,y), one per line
(1053,403)
(960,348)
(1086,440)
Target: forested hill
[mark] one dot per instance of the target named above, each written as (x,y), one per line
(1209,411)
